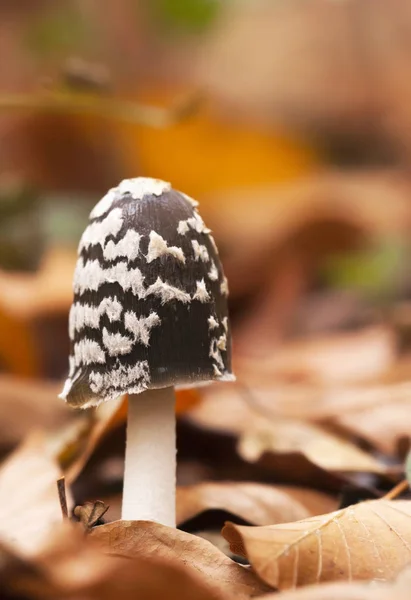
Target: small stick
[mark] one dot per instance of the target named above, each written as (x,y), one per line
(397,490)
(110,108)
(61,488)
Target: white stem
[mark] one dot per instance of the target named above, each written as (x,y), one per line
(149,491)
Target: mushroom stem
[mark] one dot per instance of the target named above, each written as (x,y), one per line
(150,467)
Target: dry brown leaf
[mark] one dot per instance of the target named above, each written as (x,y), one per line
(76,443)
(325,360)
(262,433)
(34,402)
(90,513)
(269,438)
(399,589)
(147,539)
(371,540)
(72,567)
(256,503)
(29,502)
(377,414)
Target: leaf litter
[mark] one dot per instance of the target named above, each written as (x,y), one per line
(261,431)
(366,541)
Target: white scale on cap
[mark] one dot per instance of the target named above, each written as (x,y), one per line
(137,188)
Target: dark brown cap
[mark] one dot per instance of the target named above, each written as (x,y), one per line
(150,297)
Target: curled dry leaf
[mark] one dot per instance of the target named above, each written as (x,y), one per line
(29,503)
(255,503)
(265,434)
(371,540)
(146,539)
(73,567)
(74,445)
(326,450)
(90,513)
(377,413)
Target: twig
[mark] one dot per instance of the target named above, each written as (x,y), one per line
(61,488)
(397,490)
(110,108)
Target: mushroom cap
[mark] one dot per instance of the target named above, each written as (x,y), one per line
(150,297)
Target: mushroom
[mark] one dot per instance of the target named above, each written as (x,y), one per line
(149,314)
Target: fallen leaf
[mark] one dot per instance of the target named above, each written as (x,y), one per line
(266,439)
(399,589)
(147,539)
(48,290)
(263,434)
(229,154)
(377,414)
(255,503)
(26,297)
(72,567)
(29,502)
(34,402)
(370,540)
(341,358)
(74,445)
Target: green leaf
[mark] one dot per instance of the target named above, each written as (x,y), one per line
(64,217)
(374,271)
(58,32)
(408,468)
(185,15)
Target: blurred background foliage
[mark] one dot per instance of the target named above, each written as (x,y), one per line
(289,121)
